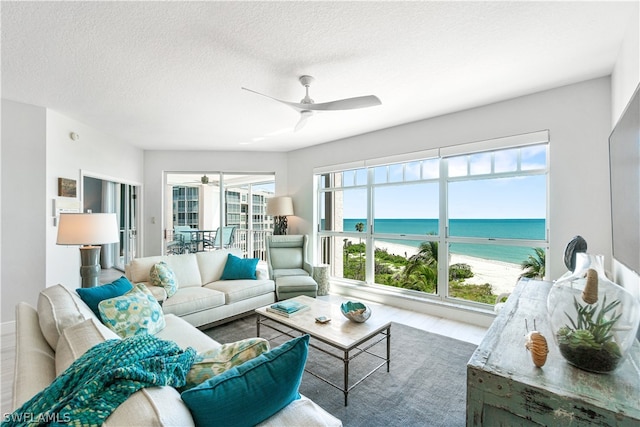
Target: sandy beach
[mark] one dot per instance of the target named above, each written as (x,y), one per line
(502,276)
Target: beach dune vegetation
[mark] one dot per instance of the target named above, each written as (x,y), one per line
(418,272)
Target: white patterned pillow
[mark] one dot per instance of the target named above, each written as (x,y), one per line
(133,313)
(214,362)
(162,275)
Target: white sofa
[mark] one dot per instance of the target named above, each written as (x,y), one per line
(202,298)
(63,328)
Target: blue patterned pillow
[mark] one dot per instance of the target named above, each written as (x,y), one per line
(239,268)
(133,313)
(162,275)
(271,379)
(93,296)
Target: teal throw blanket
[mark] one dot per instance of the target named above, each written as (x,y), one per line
(104,377)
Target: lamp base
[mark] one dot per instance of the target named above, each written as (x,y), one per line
(90,266)
(279,225)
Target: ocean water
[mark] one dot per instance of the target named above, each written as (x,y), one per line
(533,229)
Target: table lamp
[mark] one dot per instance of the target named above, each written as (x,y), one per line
(88,230)
(279,208)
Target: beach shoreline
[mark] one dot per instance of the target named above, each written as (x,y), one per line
(502,276)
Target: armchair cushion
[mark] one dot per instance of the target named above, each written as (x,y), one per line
(285,272)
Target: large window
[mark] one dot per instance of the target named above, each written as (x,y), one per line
(456,226)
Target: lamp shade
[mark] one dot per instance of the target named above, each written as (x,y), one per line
(280,206)
(87,229)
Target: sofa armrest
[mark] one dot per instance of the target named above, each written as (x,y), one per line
(35,365)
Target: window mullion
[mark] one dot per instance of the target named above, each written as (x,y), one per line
(443,246)
(370,250)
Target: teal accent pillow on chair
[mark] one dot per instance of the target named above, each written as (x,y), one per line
(268,382)
(239,268)
(162,275)
(93,296)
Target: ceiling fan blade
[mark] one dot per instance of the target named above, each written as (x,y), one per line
(304,116)
(293,105)
(346,104)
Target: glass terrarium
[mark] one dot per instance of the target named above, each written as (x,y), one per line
(594,320)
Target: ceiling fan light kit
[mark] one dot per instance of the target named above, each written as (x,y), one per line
(306,107)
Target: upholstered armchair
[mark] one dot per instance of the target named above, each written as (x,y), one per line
(288,266)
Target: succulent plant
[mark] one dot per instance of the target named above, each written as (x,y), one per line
(597,324)
(587,340)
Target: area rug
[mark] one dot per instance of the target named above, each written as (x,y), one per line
(426,385)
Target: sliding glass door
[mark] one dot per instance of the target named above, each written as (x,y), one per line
(106,196)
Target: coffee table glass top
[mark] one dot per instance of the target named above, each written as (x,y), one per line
(340,331)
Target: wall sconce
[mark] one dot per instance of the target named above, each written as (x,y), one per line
(280,208)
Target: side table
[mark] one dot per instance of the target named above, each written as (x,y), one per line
(321,276)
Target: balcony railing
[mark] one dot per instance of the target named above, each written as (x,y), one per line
(252,243)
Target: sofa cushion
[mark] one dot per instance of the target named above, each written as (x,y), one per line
(238,290)
(193,300)
(214,362)
(269,382)
(77,339)
(212,263)
(158,406)
(185,268)
(93,296)
(302,412)
(185,335)
(162,275)
(238,268)
(133,313)
(58,308)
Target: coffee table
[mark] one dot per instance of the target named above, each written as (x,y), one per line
(346,336)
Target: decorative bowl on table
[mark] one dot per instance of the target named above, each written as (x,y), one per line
(355,311)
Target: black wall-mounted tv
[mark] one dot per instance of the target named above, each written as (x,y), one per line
(624,165)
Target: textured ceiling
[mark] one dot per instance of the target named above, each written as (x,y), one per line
(167,75)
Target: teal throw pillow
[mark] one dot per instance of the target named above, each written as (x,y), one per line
(269,382)
(162,275)
(93,296)
(135,312)
(239,268)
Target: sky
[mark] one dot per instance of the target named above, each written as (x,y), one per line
(504,197)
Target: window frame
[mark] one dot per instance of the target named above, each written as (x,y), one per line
(443,238)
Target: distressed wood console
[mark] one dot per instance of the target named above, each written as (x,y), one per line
(504,388)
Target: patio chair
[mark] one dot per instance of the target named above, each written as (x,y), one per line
(227,235)
(183,232)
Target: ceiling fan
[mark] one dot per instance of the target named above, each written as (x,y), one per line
(307,107)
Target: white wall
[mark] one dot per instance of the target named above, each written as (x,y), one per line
(36,151)
(156,163)
(23,204)
(95,154)
(624,80)
(579,119)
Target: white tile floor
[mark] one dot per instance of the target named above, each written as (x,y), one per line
(451,328)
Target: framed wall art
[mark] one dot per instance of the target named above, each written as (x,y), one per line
(66,187)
